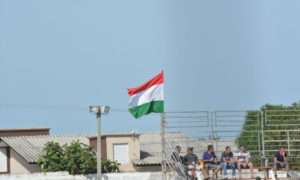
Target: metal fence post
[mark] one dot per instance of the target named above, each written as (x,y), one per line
(263,116)
(212,123)
(288,143)
(258,132)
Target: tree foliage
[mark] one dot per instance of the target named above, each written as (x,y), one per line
(51,158)
(76,158)
(79,158)
(249,135)
(110,166)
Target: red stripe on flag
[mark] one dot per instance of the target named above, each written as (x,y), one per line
(158,79)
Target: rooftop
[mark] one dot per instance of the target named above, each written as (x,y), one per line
(24,132)
(24,129)
(30,147)
(116,135)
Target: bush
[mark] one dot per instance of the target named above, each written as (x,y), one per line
(51,157)
(76,158)
(110,166)
(79,158)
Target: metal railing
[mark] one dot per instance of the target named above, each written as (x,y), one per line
(281,128)
(262,132)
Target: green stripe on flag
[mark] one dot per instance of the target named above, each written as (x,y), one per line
(153,106)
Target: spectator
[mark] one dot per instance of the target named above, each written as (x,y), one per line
(190,160)
(243,161)
(190,157)
(280,160)
(228,162)
(210,161)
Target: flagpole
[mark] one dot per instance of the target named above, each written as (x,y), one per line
(163,146)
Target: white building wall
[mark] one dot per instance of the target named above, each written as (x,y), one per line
(133,150)
(66,176)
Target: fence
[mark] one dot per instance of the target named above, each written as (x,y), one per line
(262,132)
(282,129)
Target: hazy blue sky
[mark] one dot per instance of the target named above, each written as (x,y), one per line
(57,57)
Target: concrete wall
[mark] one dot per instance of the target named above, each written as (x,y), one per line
(18,165)
(154,168)
(93,144)
(133,148)
(66,176)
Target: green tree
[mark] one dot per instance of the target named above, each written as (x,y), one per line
(249,135)
(110,166)
(79,158)
(51,158)
(76,158)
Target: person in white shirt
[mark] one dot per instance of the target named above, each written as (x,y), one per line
(243,161)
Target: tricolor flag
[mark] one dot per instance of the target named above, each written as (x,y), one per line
(148,97)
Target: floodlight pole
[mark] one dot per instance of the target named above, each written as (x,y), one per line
(99,169)
(99,110)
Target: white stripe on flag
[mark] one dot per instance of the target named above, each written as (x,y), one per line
(154,93)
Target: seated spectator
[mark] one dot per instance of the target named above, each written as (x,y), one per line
(228,162)
(243,161)
(210,159)
(280,160)
(190,160)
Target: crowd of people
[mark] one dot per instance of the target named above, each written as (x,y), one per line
(228,160)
